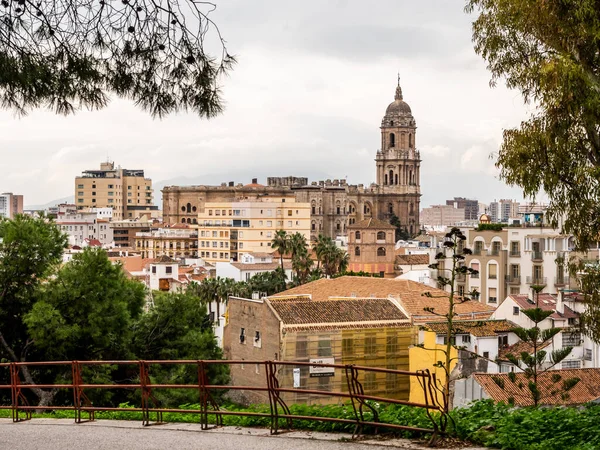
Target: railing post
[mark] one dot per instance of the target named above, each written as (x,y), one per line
(76,394)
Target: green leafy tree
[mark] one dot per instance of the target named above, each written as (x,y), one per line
(85,313)
(533,363)
(548,50)
(177,328)
(447,277)
(30,250)
(400,232)
(67,55)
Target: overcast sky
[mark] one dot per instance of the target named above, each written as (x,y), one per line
(306,99)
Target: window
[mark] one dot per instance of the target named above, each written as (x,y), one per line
(486,355)
(357,251)
(516,310)
(153,269)
(347,347)
(381,236)
(80,186)
(257,341)
(324,384)
(269,223)
(466,339)
(503,341)
(514,248)
(289,212)
(392,140)
(169,269)
(242,336)
(80,194)
(370,381)
(324,348)
(357,235)
(475,266)
(492,295)
(381,251)
(129,187)
(301,348)
(391,345)
(571,364)
(587,354)
(493,271)
(571,339)
(391,379)
(370,346)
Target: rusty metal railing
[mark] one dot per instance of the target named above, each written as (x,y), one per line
(278,409)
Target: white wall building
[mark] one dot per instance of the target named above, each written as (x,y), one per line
(251,264)
(81,228)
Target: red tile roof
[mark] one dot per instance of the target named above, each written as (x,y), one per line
(300,311)
(479,328)
(546,302)
(549,383)
(408,293)
(372,223)
(412,259)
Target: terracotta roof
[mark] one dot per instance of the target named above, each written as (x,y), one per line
(479,328)
(546,302)
(518,348)
(262,266)
(348,326)
(310,312)
(260,254)
(132,263)
(372,223)
(586,390)
(412,259)
(423,238)
(407,292)
(165,259)
(93,242)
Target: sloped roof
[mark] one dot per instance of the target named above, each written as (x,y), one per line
(372,223)
(546,302)
(586,390)
(301,311)
(262,266)
(132,263)
(407,292)
(412,259)
(518,348)
(165,259)
(479,328)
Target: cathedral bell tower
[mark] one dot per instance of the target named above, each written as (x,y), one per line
(398,164)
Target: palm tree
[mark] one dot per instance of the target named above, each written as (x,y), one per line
(343,261)
(320,247)
(302,264)
(298,248)
(281,243)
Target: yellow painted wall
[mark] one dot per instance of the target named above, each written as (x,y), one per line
(425,357)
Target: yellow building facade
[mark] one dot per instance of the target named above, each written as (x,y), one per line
(227,229)
(128,192)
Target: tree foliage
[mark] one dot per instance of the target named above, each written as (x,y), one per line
(549,51)
(67,55)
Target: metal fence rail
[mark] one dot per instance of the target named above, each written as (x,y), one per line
(279,412)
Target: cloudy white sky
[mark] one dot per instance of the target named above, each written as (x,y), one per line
(306,99)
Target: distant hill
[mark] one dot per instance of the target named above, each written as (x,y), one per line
(69,199)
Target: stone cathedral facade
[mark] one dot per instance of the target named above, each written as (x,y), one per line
(335,204)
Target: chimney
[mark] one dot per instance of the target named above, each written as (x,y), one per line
(254,180)
(559,301)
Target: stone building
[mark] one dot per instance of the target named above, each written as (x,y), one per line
(334,204)
(371,247)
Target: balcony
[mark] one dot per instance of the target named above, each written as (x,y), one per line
(561,280)
(536,280)
(513,279)
(493,252)
(537,256)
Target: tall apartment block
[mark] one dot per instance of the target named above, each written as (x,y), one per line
(470,206)
(227,229)
(126,191)
(10,205)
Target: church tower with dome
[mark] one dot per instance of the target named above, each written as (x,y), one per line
(335,204)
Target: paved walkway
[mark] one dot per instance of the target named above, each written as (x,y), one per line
(58,434)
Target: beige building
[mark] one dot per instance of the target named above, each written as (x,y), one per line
(10,204)
(442,215)
(124,231)
(127,192)
(371,245)
(333,204)
(227,229)
(176,241)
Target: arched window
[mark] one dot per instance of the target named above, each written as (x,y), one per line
(188,207)
(390,208)
(391,123)
(195,221)
(410,180)
(357,235)
(338,226)
(194,209)
(396,178)
(183,220)
(337,207)
(357,251)
(189,220)
(313,226)
(391,177)
(381,235)
(381,251)
(183,208)
(392,140)
(410,140)
(313,207)
(385,182)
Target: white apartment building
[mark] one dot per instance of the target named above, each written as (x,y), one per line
(441,215)
(510,261)
(227,229)
(82,228)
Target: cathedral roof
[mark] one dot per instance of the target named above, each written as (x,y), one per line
(398,106)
